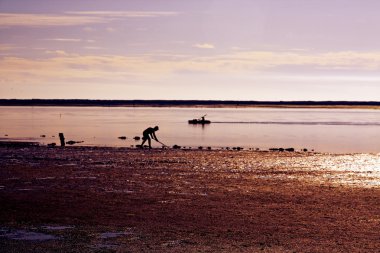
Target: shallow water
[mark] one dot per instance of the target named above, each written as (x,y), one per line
(324,130)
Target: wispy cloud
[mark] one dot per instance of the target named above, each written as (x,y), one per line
(204,46)
(7,47)
(38,20)
(89,29)
(62,66)
(126,14)
(110,29)
(64,39)
(74,18)
(57,52)
(269,59)
(93,48)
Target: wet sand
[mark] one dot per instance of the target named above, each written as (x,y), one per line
(92,199)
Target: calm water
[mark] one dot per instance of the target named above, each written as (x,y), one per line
(325,130)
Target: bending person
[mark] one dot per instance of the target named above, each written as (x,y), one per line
(148,134)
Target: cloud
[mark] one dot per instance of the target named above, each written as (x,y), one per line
(89,29)
(40,20)
(204,46)
(110,29)
(126,14)
(57,52)
(7,47)
(93,48)
(330,60)
(64,39)
(62,67)
(74,18)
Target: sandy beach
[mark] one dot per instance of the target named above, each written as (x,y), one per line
(98,199)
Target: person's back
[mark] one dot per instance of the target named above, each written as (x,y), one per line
(148,131)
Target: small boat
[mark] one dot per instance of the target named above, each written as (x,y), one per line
(201,121)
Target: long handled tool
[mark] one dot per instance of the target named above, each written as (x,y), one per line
(162,144)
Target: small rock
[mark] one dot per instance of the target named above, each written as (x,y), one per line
(122,137)
(290,149)
(53,144)
(200,147)
(73,142)
(176,146)
(43,136)
(136,138)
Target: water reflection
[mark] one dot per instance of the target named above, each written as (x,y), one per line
(337,131)
(362,170)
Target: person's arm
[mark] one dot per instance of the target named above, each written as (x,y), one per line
(154,136)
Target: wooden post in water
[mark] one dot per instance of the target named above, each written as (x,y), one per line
(62,139)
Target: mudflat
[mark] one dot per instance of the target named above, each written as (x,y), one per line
(98,199)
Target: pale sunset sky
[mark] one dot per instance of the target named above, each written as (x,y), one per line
(190,49)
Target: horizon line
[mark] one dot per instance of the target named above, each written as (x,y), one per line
(183,102)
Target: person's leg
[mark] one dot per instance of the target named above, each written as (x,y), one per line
(150,146)
(144,140)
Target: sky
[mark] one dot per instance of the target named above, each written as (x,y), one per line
(199,49)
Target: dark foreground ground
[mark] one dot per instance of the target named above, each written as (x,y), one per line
(86,199)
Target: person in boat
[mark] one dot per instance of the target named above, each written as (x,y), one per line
(149,133)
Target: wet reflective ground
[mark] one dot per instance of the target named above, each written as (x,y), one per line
(85,199)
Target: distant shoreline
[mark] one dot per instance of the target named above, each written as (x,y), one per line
(192,103)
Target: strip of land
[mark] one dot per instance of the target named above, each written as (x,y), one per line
(191,103)
(86,199)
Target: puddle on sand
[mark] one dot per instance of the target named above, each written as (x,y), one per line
(89,177)
(119,191)
(45,178)
(24,235)
(107,235)
(57,227)
(106,246)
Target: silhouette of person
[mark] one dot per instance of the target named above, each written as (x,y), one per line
(149,133)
